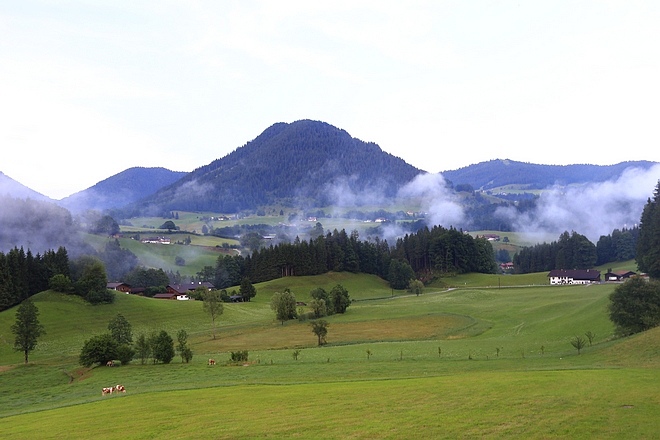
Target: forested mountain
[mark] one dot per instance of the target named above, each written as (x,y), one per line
(499,172)
(299,161)
(121,189)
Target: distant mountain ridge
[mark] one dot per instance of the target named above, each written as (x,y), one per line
(303,163)
(127,187)
(12,188)
(501,172)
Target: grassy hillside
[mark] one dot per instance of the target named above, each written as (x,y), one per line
(468,362)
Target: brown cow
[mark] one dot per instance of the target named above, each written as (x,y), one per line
(105,391)
(120,389)
(211,361)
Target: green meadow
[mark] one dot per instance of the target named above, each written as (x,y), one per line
(474,356)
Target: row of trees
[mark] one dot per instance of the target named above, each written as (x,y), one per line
(118,344)
(23,274)
(426,253)
(635,305)
(323,303)
(620,245)
(571,251)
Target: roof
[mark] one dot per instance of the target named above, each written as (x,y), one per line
(187,287)
(576,274)
(165,295)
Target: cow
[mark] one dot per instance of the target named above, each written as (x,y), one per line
(120,389)
(211,361)
(107,390)
(110,364)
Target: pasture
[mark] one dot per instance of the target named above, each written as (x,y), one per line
(475,361)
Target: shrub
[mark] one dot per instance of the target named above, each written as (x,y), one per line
(239,356)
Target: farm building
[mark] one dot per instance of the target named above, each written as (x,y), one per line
(620,275)
(576,276)
(119,287)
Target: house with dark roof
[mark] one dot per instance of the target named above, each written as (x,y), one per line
(619,275)
(575,276)
(184,289)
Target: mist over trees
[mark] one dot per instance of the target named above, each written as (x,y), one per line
(35,224)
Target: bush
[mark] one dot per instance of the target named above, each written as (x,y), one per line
(98,350)
(635,306)
(239,356)
(103,296)
(60,283)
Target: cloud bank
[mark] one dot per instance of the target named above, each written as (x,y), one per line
(592,210)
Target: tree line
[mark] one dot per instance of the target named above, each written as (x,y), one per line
(423,254)
(23,274)
(575,251)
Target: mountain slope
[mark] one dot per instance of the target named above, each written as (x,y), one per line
(497,173)
(287,163)
(10,187)
(121,189)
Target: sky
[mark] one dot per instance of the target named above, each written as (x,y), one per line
(91,88)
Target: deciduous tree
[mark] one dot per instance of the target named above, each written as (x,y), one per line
(27,329)
(121,330)
(213,306)
(284,305)
(320,329)
(99,349)
(635,305)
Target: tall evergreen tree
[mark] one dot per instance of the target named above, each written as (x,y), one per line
(648,245)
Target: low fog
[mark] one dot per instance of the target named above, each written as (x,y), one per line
(592,210)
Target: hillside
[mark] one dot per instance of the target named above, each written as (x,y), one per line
(303,161)
(497,173)
(10,187)
(499,361)
(121,189)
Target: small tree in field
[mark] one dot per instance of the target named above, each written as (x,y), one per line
(320,329)
(142,348)
(182,346)
(284,305)
(416,287)
(579,343)
(27,328)
(213,306)
(590,336)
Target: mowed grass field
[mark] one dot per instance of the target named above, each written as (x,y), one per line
(491,362)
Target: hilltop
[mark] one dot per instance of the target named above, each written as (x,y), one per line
(304,163)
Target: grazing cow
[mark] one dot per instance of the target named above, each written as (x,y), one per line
(105,391)
(110,364)
(120,389)
(211,361)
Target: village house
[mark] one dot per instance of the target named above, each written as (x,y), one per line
(185,289)
(576,276)
(620,275)
(119,287)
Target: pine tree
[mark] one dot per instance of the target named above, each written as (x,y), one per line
(648,245)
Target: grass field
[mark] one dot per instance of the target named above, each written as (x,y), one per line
(482,360)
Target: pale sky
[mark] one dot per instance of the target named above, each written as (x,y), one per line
(91,88)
